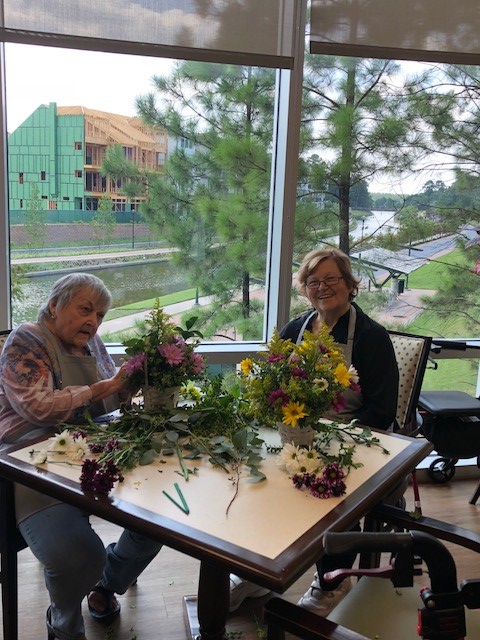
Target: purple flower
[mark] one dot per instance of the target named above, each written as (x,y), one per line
(99,478)
(275,357)
(339,489)
(79,433)
(298,372)
(329,484)
(320,489)
(135,363)
(278,395)
(172,353)
(96,447)
(112,445)
(339,403)
(354,386)
(333,472)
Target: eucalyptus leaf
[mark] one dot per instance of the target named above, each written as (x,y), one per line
(147,457)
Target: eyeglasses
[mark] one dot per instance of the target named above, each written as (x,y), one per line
(329,281)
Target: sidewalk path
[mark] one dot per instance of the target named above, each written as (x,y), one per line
(405,308)
(94,256)
(173,310)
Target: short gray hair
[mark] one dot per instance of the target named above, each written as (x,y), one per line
(67,288)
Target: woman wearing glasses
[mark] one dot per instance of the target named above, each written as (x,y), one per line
(325,277)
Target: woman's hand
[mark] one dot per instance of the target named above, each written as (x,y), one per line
(117,384)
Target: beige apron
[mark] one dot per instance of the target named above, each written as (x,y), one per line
(74,371)
(353,400)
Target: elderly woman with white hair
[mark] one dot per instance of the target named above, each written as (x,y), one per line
(50,372)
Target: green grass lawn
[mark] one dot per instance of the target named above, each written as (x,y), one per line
(450,374)
(432,274)
(144,305)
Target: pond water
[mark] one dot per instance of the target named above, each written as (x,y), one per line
(128,283)
(378,222)
(133,282)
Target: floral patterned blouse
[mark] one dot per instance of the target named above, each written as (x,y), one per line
(30,393)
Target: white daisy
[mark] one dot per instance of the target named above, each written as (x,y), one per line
(39,456)
(287,459)
(353,374)
(308,460)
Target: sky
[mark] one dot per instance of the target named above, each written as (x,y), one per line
(107,82)
(103,81)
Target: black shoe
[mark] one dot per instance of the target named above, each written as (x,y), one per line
(112,606)
(51,633)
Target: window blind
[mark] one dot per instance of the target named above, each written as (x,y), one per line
(428,30)
(257,32)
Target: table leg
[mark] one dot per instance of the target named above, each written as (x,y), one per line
(212,605)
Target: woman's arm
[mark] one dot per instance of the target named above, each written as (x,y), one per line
(28,382)
(374,359)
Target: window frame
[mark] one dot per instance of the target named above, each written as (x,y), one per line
(283,181)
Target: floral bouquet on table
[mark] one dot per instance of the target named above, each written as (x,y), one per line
(163,359)
(291,387)
(296,384)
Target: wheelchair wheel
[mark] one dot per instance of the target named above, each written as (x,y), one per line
(442,470)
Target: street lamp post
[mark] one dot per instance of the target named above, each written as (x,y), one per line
(361,243)
(132,211)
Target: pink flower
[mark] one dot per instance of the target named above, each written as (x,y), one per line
(197,363)
(135,363)
(172,353)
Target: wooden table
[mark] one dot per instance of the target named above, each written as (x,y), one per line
(271,536)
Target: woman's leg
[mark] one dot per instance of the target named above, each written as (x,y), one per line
(126,559)
(73,557)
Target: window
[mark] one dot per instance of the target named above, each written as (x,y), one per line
(78,173)
(43,175)
(20,178)
(78,146)
(273,48)
(52,205)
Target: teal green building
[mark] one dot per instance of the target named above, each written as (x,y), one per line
(61,149)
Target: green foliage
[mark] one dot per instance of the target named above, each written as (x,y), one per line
(104,221)
(213,202)
(358,119)
(35,225)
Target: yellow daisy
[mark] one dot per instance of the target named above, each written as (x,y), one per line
(342,375)
(292,413)
(246,366)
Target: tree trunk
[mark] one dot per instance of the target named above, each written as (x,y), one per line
(246,294)
(346,164)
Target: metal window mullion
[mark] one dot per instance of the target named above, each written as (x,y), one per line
(5,308)
(283,191)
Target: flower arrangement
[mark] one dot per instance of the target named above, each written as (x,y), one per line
(211,424)
(296,384)
(322,468)
(164,356)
